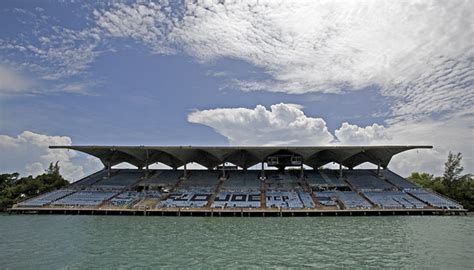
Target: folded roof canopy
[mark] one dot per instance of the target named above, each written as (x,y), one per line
(243,156)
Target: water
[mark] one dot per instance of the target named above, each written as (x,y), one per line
(81,242)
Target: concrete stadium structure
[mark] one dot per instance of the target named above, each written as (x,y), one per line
(288,182)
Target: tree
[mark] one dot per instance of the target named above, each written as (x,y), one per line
(422,179)
(14,189)
(452,168)
(53,168)
(452,183)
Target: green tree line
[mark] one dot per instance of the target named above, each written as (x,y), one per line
(14,189)
(452,184)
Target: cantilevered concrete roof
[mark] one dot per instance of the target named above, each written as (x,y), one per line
(243,156)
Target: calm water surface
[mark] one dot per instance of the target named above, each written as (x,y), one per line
(119,242)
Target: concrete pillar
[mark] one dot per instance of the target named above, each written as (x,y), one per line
(340,170)
(378,169)
(185,172)
(109,169)
(147,165)
(223,169)
(302,171)
(263,171)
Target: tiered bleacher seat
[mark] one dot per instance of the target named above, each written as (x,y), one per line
(327,198)
(281,181)
(314,178)
(89,180)
(398,180)
(242,181)
(164,179)
(200,181)
(120,179)
(350,199)
(324,178)
(282,199)
(90,198)
(125,198)
(128,198)
(393,199)
(435,200)
(306,199)
(46,198)
(366,180)
(186,199)
(236,200)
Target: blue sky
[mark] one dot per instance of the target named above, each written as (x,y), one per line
(155,73)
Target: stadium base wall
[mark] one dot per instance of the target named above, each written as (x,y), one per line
(235,212)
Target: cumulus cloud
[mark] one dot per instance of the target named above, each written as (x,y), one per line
(354,135)
(287,124)
(282,124)
(28,154)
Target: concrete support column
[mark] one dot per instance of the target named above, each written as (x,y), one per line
(147,165)
(263,171)
(223,169)
(378,169)
(185,171)
(340,170)
(301,171)
(109,169)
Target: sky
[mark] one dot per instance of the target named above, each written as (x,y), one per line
(235,73)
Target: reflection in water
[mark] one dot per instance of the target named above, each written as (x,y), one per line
(98,241)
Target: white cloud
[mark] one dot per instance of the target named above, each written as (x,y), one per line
(282,124)
(55,56)
(287,124)
(150,23)
(12,82)
(354,135)
(419,52)
(28,153)
(453,133)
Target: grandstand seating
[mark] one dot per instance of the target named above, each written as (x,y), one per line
(186,199)
(164,179)
(435,199)
(398,180)
(367,180)
(47,198)
(200,181)
(393,199)
(283,200)
(89,198)
(236,200)
(282,181)
(324,178)
(89,180)
(327,201)
(243,189)
(127,198)
(242,181)
(306,199)
(349,199)
(120,179)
